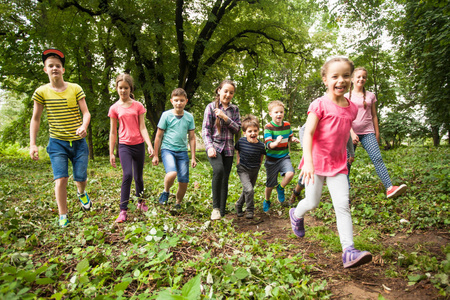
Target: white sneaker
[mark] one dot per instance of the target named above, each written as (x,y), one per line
(215,214)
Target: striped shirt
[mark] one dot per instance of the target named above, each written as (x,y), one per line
(271,132)
(222,141)
(63,113)
(250,153)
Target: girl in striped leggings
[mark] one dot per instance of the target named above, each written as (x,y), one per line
(365,129)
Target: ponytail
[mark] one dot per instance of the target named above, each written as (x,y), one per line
(364,97)
(217,99)
(216,105)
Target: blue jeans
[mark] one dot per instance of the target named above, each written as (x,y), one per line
(61,152)
(176,161)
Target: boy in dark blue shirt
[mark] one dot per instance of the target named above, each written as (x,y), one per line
(250,154)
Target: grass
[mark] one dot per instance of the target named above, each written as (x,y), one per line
(159,255)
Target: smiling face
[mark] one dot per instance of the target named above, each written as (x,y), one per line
(124,90)
(337,78)
(359,78)
(226,93)
(178,102)
(251,133)
(53,67)
(277,114)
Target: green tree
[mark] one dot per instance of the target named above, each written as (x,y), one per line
(424,36)
(163,44)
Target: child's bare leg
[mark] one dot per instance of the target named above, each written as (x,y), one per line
(169,179)
(61,194)
(182,187)
(268,192)
(81,186)
(287,178)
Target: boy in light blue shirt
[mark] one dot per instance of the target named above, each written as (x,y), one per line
(174,127)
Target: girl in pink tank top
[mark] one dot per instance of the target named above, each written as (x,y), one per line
(365,129)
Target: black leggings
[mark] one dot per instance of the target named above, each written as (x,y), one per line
(221,166)
(132,159)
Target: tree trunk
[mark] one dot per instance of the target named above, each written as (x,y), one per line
(435,133)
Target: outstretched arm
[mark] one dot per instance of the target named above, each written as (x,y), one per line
(308,166)
(34,128)
(375,122)
(158,139)
(112,141)
(144,133)
(192,145)
(82,130)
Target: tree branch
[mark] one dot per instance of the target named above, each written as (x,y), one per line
(183,65)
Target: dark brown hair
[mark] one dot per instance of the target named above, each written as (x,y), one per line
(128,79)
(217,98)
(249,121)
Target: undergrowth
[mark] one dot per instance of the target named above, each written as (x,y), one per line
(162,255)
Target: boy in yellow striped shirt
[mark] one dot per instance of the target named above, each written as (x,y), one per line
(63,102)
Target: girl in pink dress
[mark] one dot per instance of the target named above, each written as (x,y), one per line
(325,157)
(365,129)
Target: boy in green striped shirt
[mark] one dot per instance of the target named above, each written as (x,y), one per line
(277,136)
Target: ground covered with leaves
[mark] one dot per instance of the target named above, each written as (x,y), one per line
(164,255)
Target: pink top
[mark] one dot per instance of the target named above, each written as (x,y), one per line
(330,138)
(363,123)
(129,132)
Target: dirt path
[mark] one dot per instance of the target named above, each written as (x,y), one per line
(365,282)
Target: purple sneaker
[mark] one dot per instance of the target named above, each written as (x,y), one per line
(352,257)
(297,224)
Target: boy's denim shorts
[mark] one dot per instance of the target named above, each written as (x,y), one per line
(61,152)
(273,167)
(176,161)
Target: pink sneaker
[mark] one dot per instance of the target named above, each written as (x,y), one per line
(142,206)
(122,216)
(395,191)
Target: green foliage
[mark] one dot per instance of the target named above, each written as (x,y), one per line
(424,35)
(160,255)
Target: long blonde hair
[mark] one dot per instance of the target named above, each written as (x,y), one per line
(217,98)
(364,88)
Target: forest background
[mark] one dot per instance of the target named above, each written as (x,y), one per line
(273,50)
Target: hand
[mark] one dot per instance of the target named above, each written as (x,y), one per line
(307,173)
(193,162)
(295,140)
(81,132)
(112,160)
(220,114)
(350,160)
(155,160)
(34,152)
(212,152)
(355,139)
(150,152)
(377,135)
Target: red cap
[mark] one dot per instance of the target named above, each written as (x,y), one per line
(52,52)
